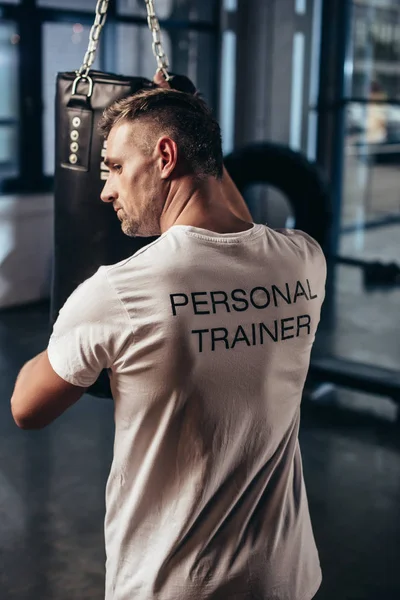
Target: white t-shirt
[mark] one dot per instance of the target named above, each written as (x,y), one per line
(207,338)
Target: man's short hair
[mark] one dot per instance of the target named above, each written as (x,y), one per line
(183,117)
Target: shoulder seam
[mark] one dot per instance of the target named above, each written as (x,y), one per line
(138,253)
(124,310)
(302,234)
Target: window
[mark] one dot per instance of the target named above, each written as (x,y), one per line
(179,10)
(8,99)
(134,50)
(372,158)
(64,46)
(376,34)
(69,4)
(372,145)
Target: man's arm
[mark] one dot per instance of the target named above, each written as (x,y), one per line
(91,331)
(40,396)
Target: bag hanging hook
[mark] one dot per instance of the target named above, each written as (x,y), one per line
(82,78)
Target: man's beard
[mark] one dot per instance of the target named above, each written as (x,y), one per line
(129,227)
(149,225)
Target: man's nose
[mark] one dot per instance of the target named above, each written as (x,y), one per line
(108,194)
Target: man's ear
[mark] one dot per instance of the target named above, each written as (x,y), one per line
(168,156)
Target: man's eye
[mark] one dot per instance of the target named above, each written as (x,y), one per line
(117,168)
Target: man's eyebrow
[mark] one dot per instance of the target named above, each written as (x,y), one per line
(109,160)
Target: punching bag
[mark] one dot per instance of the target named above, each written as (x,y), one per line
(86,232)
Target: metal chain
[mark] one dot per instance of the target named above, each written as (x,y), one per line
(88,60)
(94,36)
(158,50)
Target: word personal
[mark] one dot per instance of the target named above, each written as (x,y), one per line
(260,297)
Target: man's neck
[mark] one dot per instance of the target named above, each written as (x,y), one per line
(200,204)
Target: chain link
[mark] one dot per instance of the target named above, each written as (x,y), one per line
(94,36)
(158,50)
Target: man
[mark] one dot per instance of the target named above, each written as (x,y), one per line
(207,334)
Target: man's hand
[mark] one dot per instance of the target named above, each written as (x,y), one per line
(160,80)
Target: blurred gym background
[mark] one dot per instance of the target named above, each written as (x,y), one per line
(321,77)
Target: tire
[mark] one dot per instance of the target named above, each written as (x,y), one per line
(291,173)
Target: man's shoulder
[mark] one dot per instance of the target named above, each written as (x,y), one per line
(159,250)
(90,301)
(155,256)
(303,249)
(300,237)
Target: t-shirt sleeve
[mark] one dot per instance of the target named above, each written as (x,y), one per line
(302,235)
(318,262)
(91,331)
(318,259)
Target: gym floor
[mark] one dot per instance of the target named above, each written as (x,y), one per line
(52,482)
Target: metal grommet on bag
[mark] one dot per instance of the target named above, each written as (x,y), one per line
(74,147)
(76,122)
(74,135)
(73,159)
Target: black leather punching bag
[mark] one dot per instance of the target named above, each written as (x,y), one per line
(86,232)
